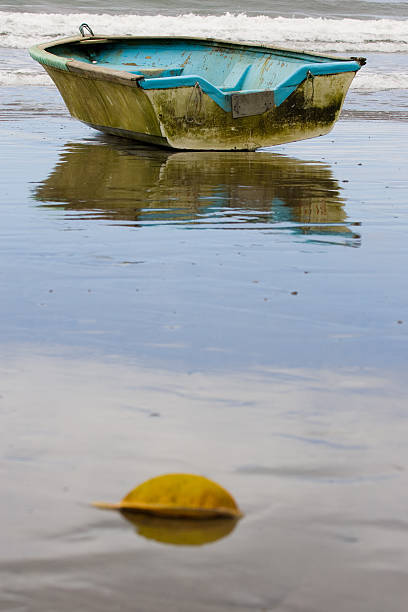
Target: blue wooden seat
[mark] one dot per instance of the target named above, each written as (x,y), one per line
(235,79)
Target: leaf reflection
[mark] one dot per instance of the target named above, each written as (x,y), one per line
(180,532)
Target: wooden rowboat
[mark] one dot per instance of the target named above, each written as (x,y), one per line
(193,93)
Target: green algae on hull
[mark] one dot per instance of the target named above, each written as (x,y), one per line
(211,128)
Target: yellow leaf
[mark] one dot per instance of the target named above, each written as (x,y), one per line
(179,495)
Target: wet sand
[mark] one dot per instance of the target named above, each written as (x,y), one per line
(240,316)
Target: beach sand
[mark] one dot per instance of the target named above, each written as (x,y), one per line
(242,316)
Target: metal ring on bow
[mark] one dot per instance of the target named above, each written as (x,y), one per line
(85,26)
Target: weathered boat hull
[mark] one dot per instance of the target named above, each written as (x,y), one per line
(188,116)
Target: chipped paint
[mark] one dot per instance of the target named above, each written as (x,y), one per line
(184,64)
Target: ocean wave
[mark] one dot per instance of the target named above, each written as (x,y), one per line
(369,81)
(23,77)
(21,30)
(361,9)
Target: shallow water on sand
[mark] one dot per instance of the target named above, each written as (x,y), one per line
(240,315)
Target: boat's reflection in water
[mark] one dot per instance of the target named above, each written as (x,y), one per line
(180,532)
(112,179)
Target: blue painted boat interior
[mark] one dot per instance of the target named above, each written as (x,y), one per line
(219,68)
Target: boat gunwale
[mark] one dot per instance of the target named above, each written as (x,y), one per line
(249,46)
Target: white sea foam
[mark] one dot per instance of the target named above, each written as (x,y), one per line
(368,81)
(23,77)
(20,30)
